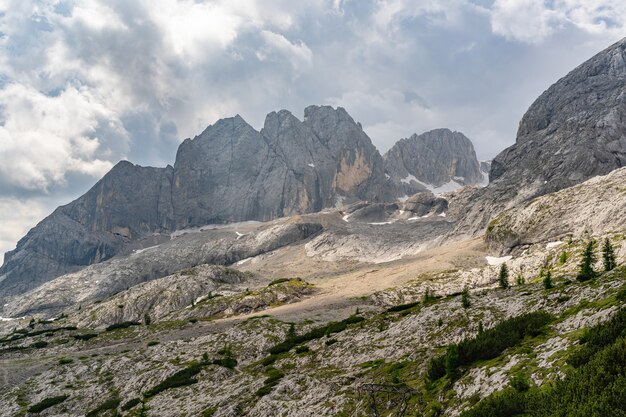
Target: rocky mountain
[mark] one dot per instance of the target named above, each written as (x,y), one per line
(228,173)
(439,160)
(575,130)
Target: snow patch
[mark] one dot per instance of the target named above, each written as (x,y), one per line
(240,235)
(346,217)
(452,185)
(243,261)
(204,228)
(387,176)
(382,223)
(554,244)
(138,251)
(495,261)
(409,178)
(311,165)
(443,214)
(339,201)
(403,198)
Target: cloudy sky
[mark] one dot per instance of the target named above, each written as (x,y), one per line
(85,83)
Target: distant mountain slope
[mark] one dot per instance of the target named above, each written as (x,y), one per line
(439,159)
(228,173)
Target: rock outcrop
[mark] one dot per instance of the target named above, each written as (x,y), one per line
(439,160)
(574,131)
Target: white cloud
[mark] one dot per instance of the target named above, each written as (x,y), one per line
(280,48)
(534,20)
(43,138)
(18,216)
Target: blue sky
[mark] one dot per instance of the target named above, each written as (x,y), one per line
(84,84)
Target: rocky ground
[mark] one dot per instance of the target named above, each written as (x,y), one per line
(326,374)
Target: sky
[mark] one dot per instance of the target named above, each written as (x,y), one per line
(84,84)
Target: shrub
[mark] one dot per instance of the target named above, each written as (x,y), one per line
(152,343)
(110,404)
(65,361)
(465,298)
(179,379)
(122,325)
(47,403)
(302,349)
(316,333)
(595,338)
(39,344)
(85,336)
(130,404)
(487,344)
(278,281)
(273,377)
(402,307)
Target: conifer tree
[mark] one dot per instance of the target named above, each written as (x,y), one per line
(503,277)
(465,298)
(586,265)
(608,255)
(547,280)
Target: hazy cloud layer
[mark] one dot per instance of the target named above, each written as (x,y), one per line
(86,83)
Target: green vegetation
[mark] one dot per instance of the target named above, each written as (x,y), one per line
(563,257)
(146,319)
(316,333)
(65,361)
(40,344)
(595,387)
(181,378)
(278,281)
(586,264)
(85,336)
(608,255)
(503,276)
(228,359)
(130,404)
(110,404)
(547,280)
(273,377)
(596,338)
(152,343)
(402,307)
(465,298)
(47,403)
(122,325)
(487,344)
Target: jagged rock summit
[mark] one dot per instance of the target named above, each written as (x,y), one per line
(439,160)
(229,173)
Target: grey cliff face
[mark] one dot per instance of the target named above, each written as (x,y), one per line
(229,173)
(574,131)
(435,158)
(126,204)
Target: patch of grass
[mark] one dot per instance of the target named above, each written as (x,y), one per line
(65,361)
(152,343)
(47,403)
(279,281)
(39,344)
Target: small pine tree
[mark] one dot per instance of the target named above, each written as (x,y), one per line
(146,319)
(503,277)
(520,280)
(465,298)
(547,280)
(563,258)
(291,333)
(608,255)
(480,327)
(586,265)
(451,360)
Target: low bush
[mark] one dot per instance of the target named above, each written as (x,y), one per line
(402,307)
(110,404)
(85,336)
(130,404)
(47,403)
(122,325)
(179,379)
